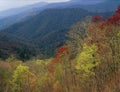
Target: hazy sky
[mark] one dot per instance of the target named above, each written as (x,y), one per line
(7,4)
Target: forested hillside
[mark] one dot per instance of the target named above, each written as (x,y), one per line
(13,45)
(48,29)
(45,25)
(89,61)
(12,16)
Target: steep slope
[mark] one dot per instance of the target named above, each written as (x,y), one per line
(47,21)
(12,45)
(48,29)
(8,21)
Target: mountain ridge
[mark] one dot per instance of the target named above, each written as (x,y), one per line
(48,28)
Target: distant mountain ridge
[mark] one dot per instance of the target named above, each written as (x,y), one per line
(25,9)
(84,4)
(103,6)
(12,16)
(47,28)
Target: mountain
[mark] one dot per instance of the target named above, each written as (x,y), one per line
(23,10)
(103,6)
(13,45)
(8,21)
(12,16)
(48,28)
(74,2)
(45,27)
(90,5)
(86,2)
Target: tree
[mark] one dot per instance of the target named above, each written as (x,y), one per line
(86,60)
(23,79)
(77,36)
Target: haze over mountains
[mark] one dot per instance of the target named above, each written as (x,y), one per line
(44,25)
(11,16)
(26,9)
(43,5)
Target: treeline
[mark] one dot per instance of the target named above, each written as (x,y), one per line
(89,62)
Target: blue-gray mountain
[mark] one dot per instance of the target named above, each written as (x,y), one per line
(46,30)
(103,6)
(12,16)
(23,10)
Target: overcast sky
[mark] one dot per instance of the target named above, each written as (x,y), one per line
(7,4)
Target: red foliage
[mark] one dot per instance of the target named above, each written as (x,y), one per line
(115,18)
(118,10)
(60,52)
(96,36)
(112,20)
(97,18)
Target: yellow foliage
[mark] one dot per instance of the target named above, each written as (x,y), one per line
(118,34)
(20,73)
(86,59)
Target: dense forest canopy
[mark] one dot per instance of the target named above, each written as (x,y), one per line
(88,62)
(39,29)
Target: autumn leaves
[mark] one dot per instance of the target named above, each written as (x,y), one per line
(88,62)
